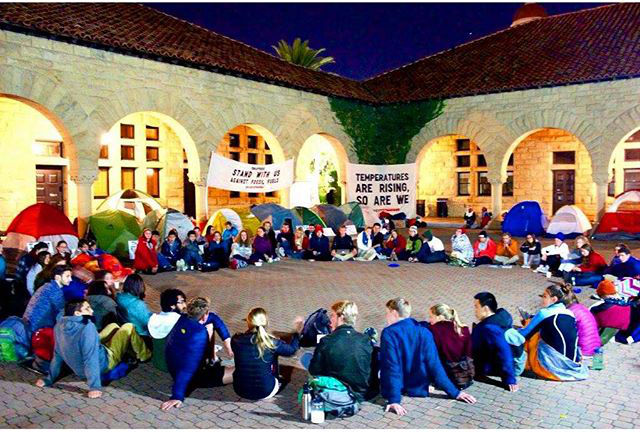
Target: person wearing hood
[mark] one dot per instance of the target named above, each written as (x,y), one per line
(318,246)
(87,353)
(173,303)
(461,249)
(414,243)
(366,251)
(553,255)
(470,218)
(105,308)
(493,355)
(146,257)
(484,249)
(432,250)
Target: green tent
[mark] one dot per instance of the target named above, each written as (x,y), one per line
(361,216)
(113,229)
(308,216)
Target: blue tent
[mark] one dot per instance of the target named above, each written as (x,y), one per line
(524,218)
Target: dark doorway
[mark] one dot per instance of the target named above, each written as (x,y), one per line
(563,188)
(189,195)
(49,186)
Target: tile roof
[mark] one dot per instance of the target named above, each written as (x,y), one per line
(601,43)
(141,30)
(595,44)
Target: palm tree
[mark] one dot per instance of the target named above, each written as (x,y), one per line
(299,53)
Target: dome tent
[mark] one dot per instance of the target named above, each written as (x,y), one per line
(221,217)
(622,219)
(332,216)
(40,222)
(570,221)
(362,216)
(132,201)
(275,214)
(113,229)
(523,218)
(164,221)
(309,217)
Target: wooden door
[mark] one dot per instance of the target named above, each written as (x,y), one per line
(189,190)
(563,188)
(49,186)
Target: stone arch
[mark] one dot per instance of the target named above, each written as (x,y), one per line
(618,131)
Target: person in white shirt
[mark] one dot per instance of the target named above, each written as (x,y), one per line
(553,255)
(366,252)
(432,250)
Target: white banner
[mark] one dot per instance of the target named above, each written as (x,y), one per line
(225,173)
(390,188)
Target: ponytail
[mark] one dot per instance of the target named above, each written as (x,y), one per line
(257,322)
(457,324)
(449,314)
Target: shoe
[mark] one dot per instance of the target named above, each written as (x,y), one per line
(548,275)
(270,260)
(311,260)
(525,266)
(595,297)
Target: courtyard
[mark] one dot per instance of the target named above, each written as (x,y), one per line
(292,288)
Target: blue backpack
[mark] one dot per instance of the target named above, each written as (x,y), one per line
(317,323)
(14,341)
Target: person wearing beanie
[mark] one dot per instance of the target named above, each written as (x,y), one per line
(552,256)
(531,249)
(484,249)
(318,246)
(414,243)
(612,313)
(507,251)
(432,250)
(461,249)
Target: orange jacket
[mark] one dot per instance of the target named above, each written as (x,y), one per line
(509,251)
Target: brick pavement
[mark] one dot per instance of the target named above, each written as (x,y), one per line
(290,288)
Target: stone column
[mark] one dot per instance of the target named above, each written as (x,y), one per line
(84,180)
(601,199)
(496,203)
(202,197)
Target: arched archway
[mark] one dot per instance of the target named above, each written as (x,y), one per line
(551,166)
(38,155)
(624,165)
(322,160)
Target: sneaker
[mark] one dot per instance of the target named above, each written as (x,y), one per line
(525,266)
(281,252)
(548,275)
(311,260)
(595,297)
(270,260)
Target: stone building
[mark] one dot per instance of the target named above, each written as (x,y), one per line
(96,97)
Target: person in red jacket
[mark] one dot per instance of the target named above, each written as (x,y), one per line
(589,272)
(396,244)
(484,249)
(146,257)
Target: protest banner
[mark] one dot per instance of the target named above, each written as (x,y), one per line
(225,173)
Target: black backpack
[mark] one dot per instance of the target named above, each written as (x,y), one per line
(316,324)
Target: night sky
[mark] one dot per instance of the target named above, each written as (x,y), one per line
(364,39)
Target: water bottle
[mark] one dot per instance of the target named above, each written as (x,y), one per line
(317,411)
(306,402)
(597,362)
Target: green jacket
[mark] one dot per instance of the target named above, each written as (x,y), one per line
(414,244)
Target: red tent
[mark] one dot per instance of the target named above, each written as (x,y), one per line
(40,222)
(622,219)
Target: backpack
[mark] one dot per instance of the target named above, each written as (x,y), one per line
(461,372)
(337,398)
(316,324)
(42,343)
(14,343)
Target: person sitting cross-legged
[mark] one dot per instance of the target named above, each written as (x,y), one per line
(87,353)
(432,250)
(342,248)
(187,352)
(366,251)
(507,251)
(378,240)
(285,241)
(484,249)
(414,243)
(409,360)
(461,249)
(553,255)
(318,246)
(171,249)
(216,252)
(191,252)
(395,245)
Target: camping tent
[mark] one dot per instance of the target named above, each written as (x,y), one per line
(570,221)
(132,201)
(622,219)
(332,216)
(113,229)
(308,216)
(165,220)
(221,216)
(40,222)
(523,218)
(361,215)
(275,214)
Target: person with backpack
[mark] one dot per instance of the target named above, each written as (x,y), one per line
(131,300)
(453,340)
(188,352)
(409,360)
(255,352)
(87,353)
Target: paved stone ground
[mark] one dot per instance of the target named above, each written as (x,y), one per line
(607,399)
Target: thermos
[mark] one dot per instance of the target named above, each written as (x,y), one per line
(306,402)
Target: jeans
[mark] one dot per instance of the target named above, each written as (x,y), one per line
(582,279)
(483,260)
(530,259)
(427,257)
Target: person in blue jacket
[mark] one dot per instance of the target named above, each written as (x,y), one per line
(171,248)
(626,265)
(409,360)
(187,353)
(47,302)
(492,353)
(318,246)
(217,252)
(3,266)
(228,235)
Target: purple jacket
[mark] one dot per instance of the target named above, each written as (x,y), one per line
(262,246)
(588,336)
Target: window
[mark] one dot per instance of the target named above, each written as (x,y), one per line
(235,156)
(127,152)
(266,146)
(463,145)
(253,141)
(463,184)
(104,152)
(510,163)
(184,156)
(632,155)
(631,179)
(564,157)
(127,131)
(234,140)
(611,187)
(484,187)
(128,178)
(101,185)
(252,158)
(153,182)
(463,161)
(234,194)
(507,187)
(47,148)
(482,162)
(253,195)
(153,133)
(268,159)
(270,194)
(153,154)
